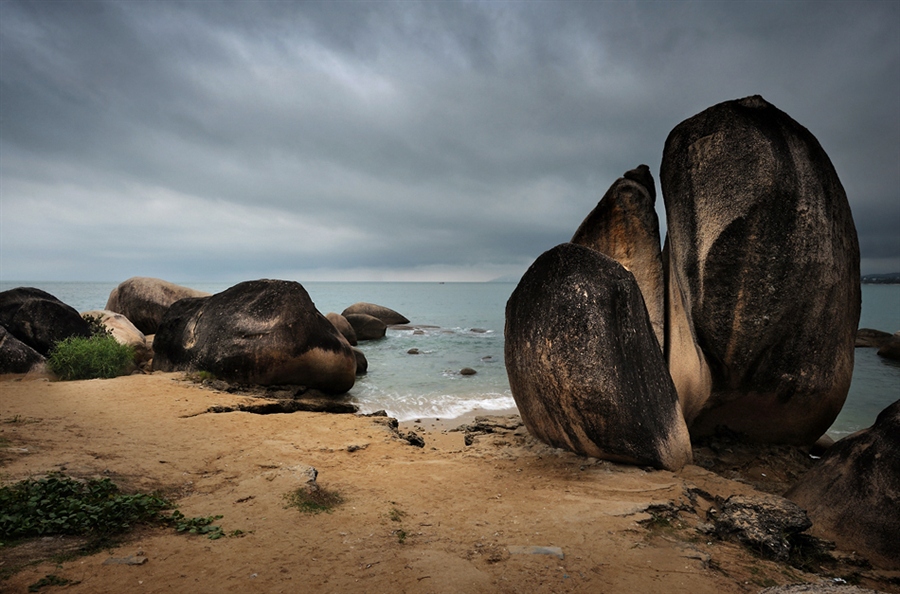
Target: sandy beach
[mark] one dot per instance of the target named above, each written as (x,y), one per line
(502,514)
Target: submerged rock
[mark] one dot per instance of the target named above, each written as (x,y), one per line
(584,366)
(366,327)
(265,332)
(764,264)
(144,300)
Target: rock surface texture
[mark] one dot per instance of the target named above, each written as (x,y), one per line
(585,368)
(39,319)
(624,226)
(265,332)
(764,260)
(144,301)
(853,494)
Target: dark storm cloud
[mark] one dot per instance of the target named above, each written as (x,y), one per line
(397,140)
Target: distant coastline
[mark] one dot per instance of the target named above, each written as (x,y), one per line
(891,278)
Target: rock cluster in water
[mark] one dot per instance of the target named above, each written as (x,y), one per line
(745,320)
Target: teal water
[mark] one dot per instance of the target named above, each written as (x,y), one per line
(468,321)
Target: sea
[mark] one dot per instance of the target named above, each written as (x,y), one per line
(416,374)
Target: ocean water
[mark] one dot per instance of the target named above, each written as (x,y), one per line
(465,329)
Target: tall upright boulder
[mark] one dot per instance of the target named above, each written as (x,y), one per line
(764,256)
(852,494)
(144,300)
(38,319)
(624,226)
(585,368)
(265,332)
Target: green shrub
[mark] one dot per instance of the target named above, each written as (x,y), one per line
(100,356)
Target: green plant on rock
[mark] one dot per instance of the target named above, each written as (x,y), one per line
(99,356)
(96,325)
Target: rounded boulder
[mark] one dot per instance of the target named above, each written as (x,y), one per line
(264,332)
(145,300)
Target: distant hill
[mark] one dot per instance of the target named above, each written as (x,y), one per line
(892,278)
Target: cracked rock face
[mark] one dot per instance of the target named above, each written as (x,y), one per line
(764,523)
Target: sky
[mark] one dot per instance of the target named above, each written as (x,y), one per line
(397,141)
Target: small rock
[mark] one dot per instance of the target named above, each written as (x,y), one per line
(467,371)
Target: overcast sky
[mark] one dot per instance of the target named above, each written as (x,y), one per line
(351,140)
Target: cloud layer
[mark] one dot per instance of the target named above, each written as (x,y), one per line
(397,141)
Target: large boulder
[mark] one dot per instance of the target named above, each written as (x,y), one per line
(584,366)
(385,314)
(265,332)
(124,332)
(764,258)
(39,319)
(853,494)
(15,355)
(625,227)
(366,327)
(145,300)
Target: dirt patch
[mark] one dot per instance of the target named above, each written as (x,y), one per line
(444,517)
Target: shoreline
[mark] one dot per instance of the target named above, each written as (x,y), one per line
(504,513)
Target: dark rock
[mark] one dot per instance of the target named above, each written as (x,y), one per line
(413,352)
(467,371)
(144,300)
(584,366)
(765,523)
(362,364)
(366,327)
(867,337)
(625,227)
(413,439)
(891,348)
(265,332)
(853,493)
(386,315)
(15,355)
(763,251)
(39,319)
(343,326)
